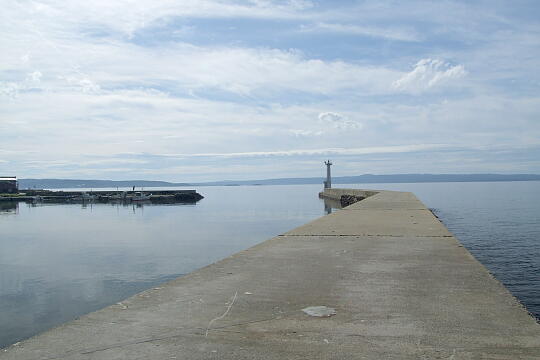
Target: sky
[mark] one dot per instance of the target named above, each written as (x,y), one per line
(203,90)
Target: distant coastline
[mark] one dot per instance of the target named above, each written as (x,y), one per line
(360,179)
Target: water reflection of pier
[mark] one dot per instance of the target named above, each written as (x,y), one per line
(9,207)
(12,207)
(330,204)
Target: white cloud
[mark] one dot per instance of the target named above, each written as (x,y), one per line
(9,89)
(241,71)
(390,33)
(244,71)
(322,152)
(12,89)
(427,74)
(303,132)
(34,78)
(128,16)
(25,58)
(338,121)
(88,86)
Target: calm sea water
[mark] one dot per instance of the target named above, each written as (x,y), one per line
(60,261)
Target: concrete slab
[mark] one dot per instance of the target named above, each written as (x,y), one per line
(411,296)
(375,222)
(385,200)
(376,199)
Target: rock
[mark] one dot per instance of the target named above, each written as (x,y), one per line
(347,200)
(188,196)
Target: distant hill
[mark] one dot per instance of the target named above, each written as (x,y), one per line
(71,183)
(360,179)
(394,178)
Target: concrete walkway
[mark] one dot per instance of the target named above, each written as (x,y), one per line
(401,285)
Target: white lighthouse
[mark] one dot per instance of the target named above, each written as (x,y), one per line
(328,182)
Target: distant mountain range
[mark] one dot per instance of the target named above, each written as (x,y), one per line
(72,183)
(360,179)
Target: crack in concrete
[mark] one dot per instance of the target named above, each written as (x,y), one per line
(186,331)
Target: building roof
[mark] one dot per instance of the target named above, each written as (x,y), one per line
(8,178)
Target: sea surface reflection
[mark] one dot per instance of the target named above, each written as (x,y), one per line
(8,207)
(58,261)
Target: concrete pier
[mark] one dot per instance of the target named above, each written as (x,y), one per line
(401,285)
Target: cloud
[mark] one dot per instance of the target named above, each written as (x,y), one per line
(338,121)
(128,16)
(428,73)
(303,132)
(184,67)
(329,122)
(390,33)
(88,86)
(12,89)
(25,58)
(34,77)
(247,71)
(9,89)
(317,152)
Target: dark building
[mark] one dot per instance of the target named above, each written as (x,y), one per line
(8,184)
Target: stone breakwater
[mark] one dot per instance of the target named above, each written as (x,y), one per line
(103,196)
(379,279)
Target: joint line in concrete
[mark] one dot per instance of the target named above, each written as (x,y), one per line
(368,235)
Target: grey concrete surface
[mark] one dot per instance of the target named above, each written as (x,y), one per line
(402,286)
